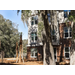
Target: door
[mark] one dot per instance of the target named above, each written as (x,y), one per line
(55,54)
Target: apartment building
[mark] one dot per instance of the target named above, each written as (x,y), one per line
(61,38)
(34,48)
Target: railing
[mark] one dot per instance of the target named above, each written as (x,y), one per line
(32,41)
(55,41)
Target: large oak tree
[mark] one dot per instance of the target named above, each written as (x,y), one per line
(47,42)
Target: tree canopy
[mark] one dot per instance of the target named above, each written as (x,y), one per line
(8,37)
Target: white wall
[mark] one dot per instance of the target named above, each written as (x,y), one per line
(61,17)
(31,28)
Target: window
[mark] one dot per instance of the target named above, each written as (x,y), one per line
(34,52)
(53,35)
(55,54)
(65,15)
(48,17)
(33,36)
(53,32)
(67,32)
(34,20)
(70,31)
(67,52)
(69,13)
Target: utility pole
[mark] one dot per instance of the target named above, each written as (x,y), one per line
(22,54)
(0,45)
(2,54)
(20,49)
(17,51)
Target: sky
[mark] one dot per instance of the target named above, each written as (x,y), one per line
(12,15)
(67,10)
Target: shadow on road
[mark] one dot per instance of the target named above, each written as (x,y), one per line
(23,63)
(8,64)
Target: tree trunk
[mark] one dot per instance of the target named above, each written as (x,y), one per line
(20,48)
(17,51)
(22,52)
(2,56)
(1,52)
(72,51)
(47,43)
(0,45)
(48,57)
(0,48)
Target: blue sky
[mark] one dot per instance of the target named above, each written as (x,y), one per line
(67,10)
(12,15)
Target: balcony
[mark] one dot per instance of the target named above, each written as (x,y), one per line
(33,41)
(56,42)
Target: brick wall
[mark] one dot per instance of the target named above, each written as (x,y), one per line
(39,53)
(63,42)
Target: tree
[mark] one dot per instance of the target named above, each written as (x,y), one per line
(8,36)
(17,51)
(20,48)
(25,43)
(0,45)
(47,45)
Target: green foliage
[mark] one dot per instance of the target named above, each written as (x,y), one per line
(40,28)
(25,15)
(25,43)
(8,37)
(73,32)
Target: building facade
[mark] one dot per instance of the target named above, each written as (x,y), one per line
(61,38)
(34,48)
